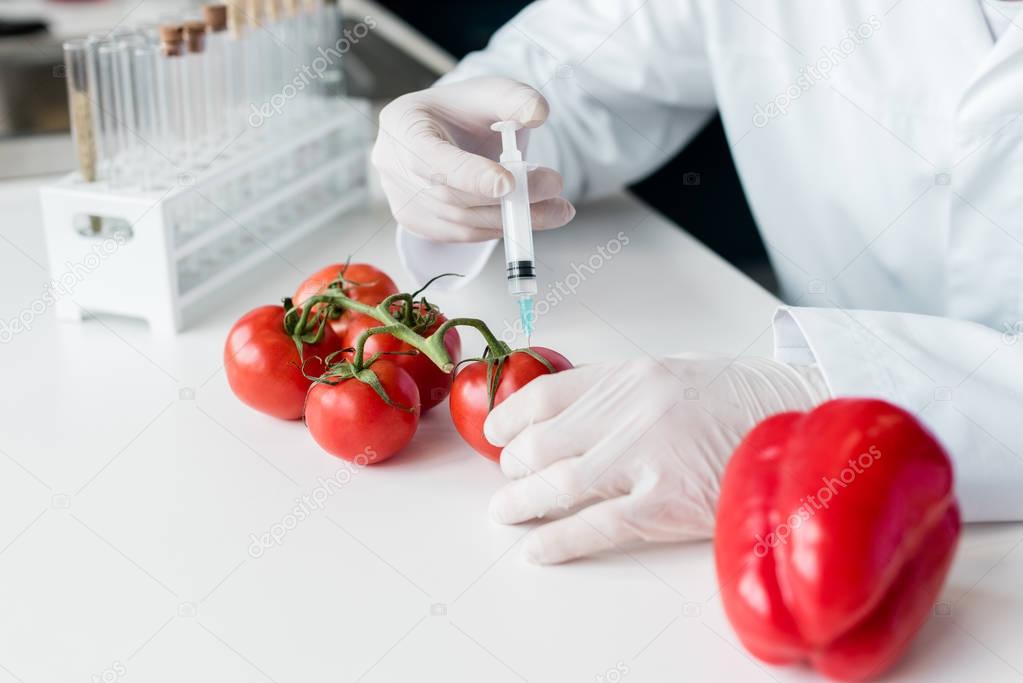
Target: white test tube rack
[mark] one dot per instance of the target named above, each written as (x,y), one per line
(164,255)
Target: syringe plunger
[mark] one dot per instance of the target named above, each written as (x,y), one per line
(518,226)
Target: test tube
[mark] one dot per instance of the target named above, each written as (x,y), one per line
(137,137)
(172,45)
(256,88)
(150,116)
(195,94)
(234,55)
(305,30)
(293,54)
(317,43)
(164,142)
(276,54)
(274,29)
(80,95)
(333,77)
(264,60)
(311,55)
(201,149)
(218,81)
(113,136)
(283,54)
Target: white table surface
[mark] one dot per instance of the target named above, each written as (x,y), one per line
(131,482)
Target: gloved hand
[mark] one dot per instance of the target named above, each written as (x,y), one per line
(437,158)
(647,439)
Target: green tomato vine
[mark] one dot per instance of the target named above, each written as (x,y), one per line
(401,316)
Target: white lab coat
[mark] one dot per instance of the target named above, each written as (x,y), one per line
(887,182)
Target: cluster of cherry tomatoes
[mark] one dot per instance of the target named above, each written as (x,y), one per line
(365,361)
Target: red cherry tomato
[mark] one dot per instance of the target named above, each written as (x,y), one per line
(470,402)
(350,420)
(434,384)
(263,366)
(374,287)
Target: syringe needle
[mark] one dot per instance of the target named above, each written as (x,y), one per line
(526,314)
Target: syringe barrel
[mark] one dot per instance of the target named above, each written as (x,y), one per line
(518,233)
(522,286)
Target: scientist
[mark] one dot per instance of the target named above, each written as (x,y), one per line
(880,146)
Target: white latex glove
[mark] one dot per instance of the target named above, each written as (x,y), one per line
(437,158)
(643,444)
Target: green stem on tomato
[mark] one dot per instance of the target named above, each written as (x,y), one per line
(360,343)
(432,347)
(497,347)
(406,300)
(296,328)
(344,302)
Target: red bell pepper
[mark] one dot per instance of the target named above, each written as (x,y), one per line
(835,530)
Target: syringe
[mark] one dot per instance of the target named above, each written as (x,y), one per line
(518,227)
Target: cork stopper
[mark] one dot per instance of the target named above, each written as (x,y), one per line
(293,7)
(215,17)
(195,36)
(273,10)
(235,18)
(172,38)
(254,12)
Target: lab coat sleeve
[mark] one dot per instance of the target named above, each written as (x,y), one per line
(963,380)
(628,85)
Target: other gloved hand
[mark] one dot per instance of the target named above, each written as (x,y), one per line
(437,161)
(643,444)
